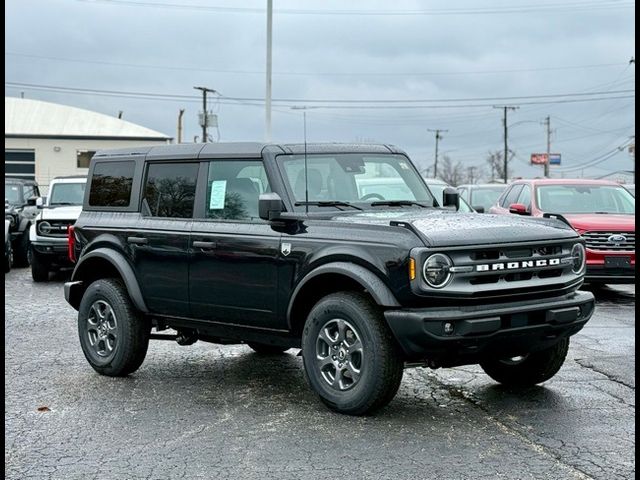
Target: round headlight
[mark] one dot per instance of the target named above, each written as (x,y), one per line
(436,270)
(44,228)
(579,258)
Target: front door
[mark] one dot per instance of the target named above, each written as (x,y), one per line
(234,254)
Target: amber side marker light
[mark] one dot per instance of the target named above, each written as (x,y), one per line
(412,268)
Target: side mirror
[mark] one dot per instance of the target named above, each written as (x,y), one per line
(31,201)
(479,209)
(450,198)
(518,209)
(270,206)
(40,202)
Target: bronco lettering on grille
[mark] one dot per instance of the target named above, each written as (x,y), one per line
(491,267)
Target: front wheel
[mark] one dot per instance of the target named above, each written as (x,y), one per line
(351,359)
(39,269)
(114,336)
(529,369)
(21,254)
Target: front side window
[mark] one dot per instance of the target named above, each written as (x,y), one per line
(233,189)
(170,189)
(511,196)
(585,199)
(111,184)
(354,178)
(525,197)
(66,194)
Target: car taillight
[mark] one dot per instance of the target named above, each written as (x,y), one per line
(71,242)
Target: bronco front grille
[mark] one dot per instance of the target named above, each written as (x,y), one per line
(611,241)
(54,228)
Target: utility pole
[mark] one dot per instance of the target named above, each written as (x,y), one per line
(204,90)
(438,137)
(547,122)
(505,109)
(471,174)
(267,100)
(632,152)
(180,114)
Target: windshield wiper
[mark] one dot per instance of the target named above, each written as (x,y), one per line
(398,203)
(328,203)
(63,203)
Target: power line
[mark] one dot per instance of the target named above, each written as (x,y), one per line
(557,7)
(367,103)
(294,73)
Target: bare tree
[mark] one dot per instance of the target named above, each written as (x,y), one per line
(495,160)
(452,173)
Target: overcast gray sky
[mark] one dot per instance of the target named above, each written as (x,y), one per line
(425,53)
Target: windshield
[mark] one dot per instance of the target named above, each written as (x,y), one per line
(354,178)
(585,199)
(13,193)
(485,196)
(438,190)
(66,194)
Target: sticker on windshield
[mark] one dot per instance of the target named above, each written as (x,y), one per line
(404,166)
(218,192)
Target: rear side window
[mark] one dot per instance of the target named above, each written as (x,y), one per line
(170,189)
(111,184)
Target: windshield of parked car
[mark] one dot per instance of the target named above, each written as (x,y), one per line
(585,199)
(362,179)
(485,196)
(438,190)
(13,193)
(66,194)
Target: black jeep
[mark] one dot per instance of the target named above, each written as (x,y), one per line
(20,210)
(340,250)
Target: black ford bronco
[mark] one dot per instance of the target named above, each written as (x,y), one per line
(340,250)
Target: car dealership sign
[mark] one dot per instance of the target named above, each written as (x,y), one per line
(541,159)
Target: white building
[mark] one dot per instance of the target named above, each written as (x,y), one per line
(44,140)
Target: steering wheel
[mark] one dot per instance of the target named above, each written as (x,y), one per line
(369,196)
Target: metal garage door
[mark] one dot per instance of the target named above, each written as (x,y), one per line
(20,163)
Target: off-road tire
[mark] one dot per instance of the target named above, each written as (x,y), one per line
(8,260)
(39,269)
(264,349)
(381,362)
(536,367)
(133,329)
(21,250)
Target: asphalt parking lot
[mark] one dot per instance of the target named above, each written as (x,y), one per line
(209,411)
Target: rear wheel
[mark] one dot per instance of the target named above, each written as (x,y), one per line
(529,369)
(351,359)
(264,349)
(8,257)
(114,336)
(39,269)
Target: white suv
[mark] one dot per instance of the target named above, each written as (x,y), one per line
(48,235)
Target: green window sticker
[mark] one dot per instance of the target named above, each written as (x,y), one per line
(218,192)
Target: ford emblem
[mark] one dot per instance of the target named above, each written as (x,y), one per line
(617,239)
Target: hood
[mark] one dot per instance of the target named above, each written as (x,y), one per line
(611,222)
(445,228)
(70,212)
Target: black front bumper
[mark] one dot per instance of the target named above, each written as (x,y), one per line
(601,274)
(53,253)
(465,335)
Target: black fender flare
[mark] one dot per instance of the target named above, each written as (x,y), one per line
(381,294)
(124,269)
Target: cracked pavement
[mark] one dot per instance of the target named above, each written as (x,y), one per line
(210,411)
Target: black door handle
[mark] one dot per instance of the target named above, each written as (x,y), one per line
(137,240)
(204,245)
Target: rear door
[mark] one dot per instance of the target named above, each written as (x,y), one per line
(234,254)
(160,240)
